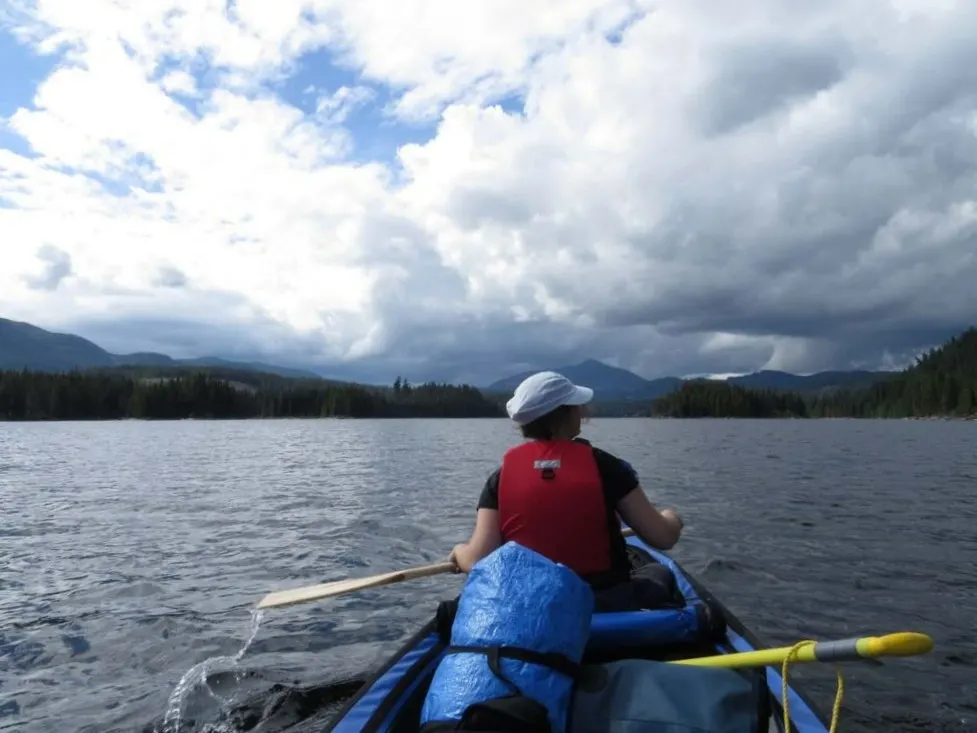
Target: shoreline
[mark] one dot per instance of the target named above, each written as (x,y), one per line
(4,420)
(928,418)
(931,418)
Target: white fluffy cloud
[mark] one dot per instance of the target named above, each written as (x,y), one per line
(680,185)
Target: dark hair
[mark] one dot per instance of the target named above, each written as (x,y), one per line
(543,428)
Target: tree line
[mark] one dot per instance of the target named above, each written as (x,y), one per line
(108,395)
(709,398)
(941,383)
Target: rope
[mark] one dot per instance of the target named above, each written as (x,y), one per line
(839,693)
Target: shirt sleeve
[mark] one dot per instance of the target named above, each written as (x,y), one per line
(490,493)
(617,475)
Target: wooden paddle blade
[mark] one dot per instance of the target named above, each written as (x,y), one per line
(340,587)
(351,585)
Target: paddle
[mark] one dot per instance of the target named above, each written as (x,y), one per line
(901,644)
(341,587)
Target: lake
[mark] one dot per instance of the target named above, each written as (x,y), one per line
(132,551)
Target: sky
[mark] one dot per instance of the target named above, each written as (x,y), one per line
(461,191)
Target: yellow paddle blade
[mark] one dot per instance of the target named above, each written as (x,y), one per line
(901,644)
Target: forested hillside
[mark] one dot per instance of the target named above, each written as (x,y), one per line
(942,383)
(711,398)
(110,395)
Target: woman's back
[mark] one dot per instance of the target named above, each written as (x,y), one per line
(560,496)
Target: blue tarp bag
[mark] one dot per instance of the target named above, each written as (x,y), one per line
(517,639)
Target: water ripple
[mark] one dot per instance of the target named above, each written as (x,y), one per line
(133,553)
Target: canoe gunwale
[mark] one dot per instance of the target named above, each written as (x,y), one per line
(394,694)
(773,675)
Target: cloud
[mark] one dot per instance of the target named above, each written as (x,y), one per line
(337,106)
(57,266)
(170,277)
(681,186)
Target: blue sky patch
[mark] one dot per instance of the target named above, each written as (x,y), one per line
(313,74)
(14,143)
(375,133)
(21,71)
(513,103)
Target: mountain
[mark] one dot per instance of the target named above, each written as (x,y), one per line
(784,381)
(618,385)
(161,360)
(607,382)
(23,346)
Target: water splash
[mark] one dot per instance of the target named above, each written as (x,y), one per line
(197,675)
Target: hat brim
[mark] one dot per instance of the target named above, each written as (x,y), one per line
(580,396)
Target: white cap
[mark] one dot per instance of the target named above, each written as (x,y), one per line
(542,393)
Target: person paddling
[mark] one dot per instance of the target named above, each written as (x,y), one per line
(560,496)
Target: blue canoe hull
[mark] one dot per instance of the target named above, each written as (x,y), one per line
(390,702)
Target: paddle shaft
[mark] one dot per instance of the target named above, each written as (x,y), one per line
(282,598)
(901,644)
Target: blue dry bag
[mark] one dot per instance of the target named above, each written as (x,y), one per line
(522,624)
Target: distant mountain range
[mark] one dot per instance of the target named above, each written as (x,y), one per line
(607,382)
(23,346)
(619,385)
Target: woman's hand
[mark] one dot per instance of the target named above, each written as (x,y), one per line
(660,529)
(453,557)
(486,538)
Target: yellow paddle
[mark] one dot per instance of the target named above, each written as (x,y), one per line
(901,644)
(341,587)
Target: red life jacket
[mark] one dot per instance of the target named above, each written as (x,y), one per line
(551,500)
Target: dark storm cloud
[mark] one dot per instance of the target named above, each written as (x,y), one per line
(862,240)
(196,324)
(754,78)
(170,277)
(57,266)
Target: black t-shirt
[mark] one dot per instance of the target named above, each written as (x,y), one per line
(618,479)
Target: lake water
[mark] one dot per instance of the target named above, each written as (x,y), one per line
(131,552)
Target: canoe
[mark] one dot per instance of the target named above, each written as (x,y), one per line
(636,642)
